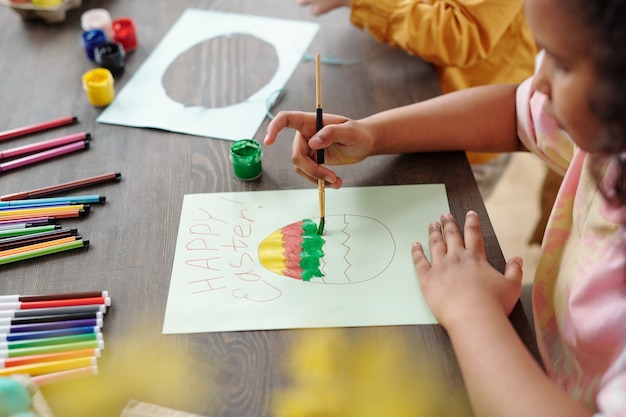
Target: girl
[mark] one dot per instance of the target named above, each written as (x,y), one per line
(572,114)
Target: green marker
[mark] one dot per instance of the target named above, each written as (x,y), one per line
(48,341)
(64,347)
(27,230)
(44,251)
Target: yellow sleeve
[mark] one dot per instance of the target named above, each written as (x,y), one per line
(443,32)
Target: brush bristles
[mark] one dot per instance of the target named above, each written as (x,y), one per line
(320,228)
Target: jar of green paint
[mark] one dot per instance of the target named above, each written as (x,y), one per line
(246,155)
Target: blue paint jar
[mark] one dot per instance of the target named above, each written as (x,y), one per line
(91,39)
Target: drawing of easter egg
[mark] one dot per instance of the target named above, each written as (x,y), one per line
(352,249)
(220,71)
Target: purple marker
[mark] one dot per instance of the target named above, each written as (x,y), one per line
(50,326)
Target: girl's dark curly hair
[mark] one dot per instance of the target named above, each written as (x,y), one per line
(605,21)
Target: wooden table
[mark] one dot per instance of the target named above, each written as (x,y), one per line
(133,235)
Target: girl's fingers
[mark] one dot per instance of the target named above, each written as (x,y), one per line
(435,241)
(419,259)
(473,234)
(451,235)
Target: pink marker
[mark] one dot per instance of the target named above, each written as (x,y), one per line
(42,156)
(21,131)
(44,145)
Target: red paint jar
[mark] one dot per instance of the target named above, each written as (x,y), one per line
(124,33)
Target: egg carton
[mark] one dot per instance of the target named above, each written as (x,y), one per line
(30,11)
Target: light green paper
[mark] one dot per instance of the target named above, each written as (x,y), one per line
(219,284)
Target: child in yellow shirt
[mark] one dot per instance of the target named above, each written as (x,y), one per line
(470,43)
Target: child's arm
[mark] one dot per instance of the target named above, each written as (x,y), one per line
(472,301)
(445,33)
(477,119)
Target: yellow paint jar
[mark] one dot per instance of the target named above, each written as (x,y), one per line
(98,83)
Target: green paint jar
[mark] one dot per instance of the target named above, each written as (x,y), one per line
(246,155)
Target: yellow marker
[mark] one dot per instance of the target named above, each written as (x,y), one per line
(48,367)
(41,211)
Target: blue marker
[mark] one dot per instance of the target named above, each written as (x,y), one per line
(53,201)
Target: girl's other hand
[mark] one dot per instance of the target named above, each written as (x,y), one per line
(460,279)
(344,141)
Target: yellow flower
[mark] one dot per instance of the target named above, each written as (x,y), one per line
(344,373)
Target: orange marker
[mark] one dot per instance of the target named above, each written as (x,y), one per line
(47,367)
(49,357)
(38,245)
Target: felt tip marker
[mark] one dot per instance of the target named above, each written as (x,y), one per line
(7,321)
(79,199)
(54,340)
(47,367)
(34,312)
(43,145)
(35,327)
(23,224)
(42,156)
(50,297)
(40,350)
(44,334)
(39,220)
(38,127)
(67,186)
(50,341)
(40,245)
(33,238)
(77,244)
(14,212)
(62,376)
(49,357)
(27,231)
(18,305)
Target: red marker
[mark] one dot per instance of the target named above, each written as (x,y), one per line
(49,297)
(21,131)
(18,305)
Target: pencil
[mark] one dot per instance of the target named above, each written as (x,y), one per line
(21,131)
(320,152)
(67,186)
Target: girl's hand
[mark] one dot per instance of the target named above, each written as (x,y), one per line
(460,280)
(319,7)
(344,141)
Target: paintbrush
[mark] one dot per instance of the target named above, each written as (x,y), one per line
(320,152)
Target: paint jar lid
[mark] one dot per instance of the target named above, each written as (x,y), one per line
(97,19)
(246,156)
(110,55)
